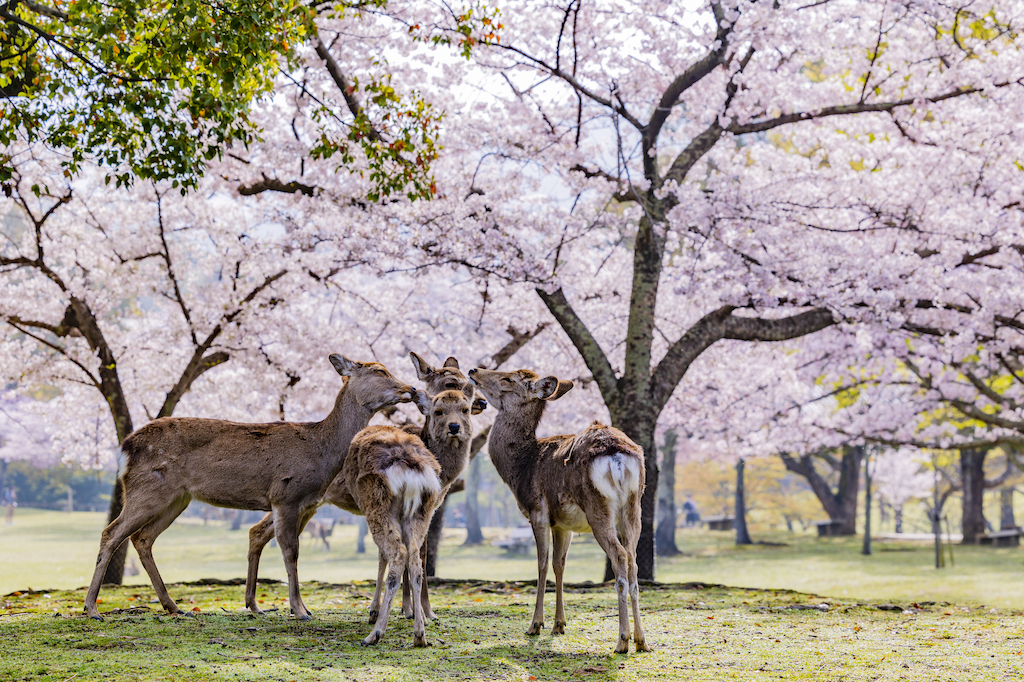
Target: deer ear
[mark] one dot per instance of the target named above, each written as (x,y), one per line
(343,365)
(423,401)
(423,370)
(545,388)
(469,390)
(451,362)
(563,388)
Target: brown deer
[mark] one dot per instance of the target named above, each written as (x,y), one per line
(320,530)
(390,476)
(588,482)
(447,377)
(282,467)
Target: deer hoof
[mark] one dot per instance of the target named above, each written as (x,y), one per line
(535,629)
(642,645)
(253,613)
(559,629)
(430,615)
(370,640)
(419,640)
(373,617)
(623,645)
(305,616)
(97,617)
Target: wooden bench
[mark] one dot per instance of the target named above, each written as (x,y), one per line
(829,528)
(1002,538)
(519,541)
(719,522)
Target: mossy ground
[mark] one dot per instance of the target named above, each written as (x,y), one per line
(698,632)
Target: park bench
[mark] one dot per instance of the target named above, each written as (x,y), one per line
(519,541)
(829,528)
(1002,538)
(719,522)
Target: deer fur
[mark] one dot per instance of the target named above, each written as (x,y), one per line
(392,478)
(588,482)
(282,467)
(445,378)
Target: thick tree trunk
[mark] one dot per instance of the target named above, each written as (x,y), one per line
(841,505)
(1006,518)
(474,536)
(740,521)
(898,515)
(665,536)
(972,476)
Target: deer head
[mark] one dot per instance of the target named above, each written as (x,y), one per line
(448,413)
(447,378)
(371,384)
(511,390)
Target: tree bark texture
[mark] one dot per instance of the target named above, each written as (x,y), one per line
(1006,518)
(866,549)
(841,505)
(972,476)
(740,521)
(665,535)
(473,534)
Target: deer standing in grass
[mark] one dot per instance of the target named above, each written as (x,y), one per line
(588,482)
(282,467)
(372,468)
(447,377)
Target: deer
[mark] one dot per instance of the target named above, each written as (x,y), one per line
(281,467)
(321,531)
(391,477)
(447,377)
(591,481)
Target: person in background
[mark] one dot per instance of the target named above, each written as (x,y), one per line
(692,515)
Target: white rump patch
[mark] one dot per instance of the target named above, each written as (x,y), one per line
(615,477)
(410,484)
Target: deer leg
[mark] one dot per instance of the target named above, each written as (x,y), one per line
(417,536)
(259,536)
(130,520)
(143,540)
(630,538)
(286,530)
(382,567)
(428,612)
(604,533)
(539,522)
(560,540)
(388,537)
(407,609)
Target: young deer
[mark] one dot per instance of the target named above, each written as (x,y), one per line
(588,482)
(282,467)
(437,380)
(390,476)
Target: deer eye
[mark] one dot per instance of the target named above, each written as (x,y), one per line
(506,380)
(438,413)
(465,410)
(381,372)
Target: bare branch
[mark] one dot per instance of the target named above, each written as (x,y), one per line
(586,344)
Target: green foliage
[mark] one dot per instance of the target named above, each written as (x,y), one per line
(48,488)
(149,89)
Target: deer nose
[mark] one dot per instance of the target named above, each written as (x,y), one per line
(453,428)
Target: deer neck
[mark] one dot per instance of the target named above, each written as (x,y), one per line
(348,418)
(513,444)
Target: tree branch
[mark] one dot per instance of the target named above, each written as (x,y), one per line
(275,185)
(586,344)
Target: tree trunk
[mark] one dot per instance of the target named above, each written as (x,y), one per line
(972,475)
(841,505)
(665,536)
(1006,518)
(434,537)
(474,536)
(897,513)
(740,521)
(361,538)
(866,549)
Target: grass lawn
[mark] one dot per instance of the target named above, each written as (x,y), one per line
(47,549)
(698,632)
(962,622)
